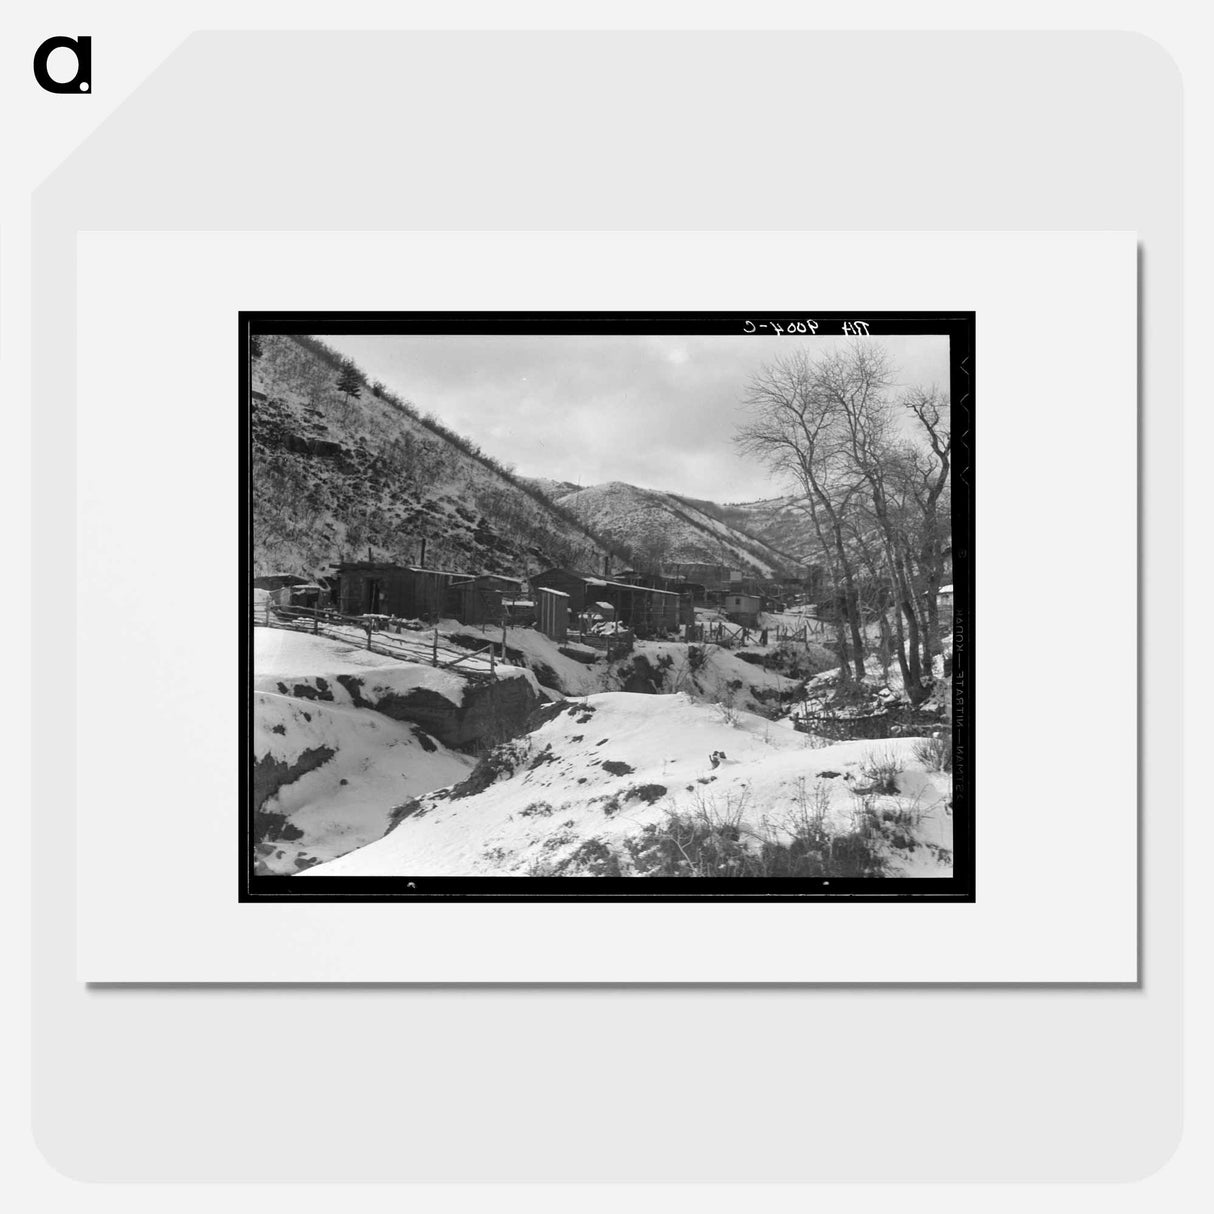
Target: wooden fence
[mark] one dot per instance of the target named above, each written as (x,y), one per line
(383,635)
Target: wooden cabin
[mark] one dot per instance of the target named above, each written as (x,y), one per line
(482,599)
(642,609)
(944,606)
(382,588)
(742,608)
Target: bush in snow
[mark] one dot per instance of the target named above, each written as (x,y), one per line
(935,753)
(882,768)
(715,840)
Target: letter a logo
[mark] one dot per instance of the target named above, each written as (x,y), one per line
(82,81)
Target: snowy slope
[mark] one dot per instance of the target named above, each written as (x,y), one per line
(676,529)
(334,768)
(569,797)
(781,522)
(366,766)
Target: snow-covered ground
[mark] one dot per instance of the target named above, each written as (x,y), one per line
(600,771)
(718,675)
(280,651)
(635,741)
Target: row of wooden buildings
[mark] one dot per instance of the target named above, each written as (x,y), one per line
(554,599)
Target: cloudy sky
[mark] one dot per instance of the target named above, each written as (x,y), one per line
(659,412)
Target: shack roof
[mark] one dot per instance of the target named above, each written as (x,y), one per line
(471,579)
(381,566)
(599,581)
(283,579)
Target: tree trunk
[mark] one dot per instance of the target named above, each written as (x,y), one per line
(852,600)
(899,635)
(914,686)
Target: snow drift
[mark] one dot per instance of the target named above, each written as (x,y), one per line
(567,798)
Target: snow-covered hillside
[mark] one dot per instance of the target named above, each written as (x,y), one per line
(620,784)
(336,474)
(670,530)
(781,522)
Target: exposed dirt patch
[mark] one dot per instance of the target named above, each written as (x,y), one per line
(270,773)
(544,756)
(411,808)
(270,828)
(427,743)
(649,793)
(354,688)
(319,690)
(500,762)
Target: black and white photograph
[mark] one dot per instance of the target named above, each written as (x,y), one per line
(541,605)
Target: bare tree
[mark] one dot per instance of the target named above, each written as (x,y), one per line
(876,487)
(796,427)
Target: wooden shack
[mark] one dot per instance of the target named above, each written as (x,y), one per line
(313,595)
(381,588)
(643,609)
(944,606)
(742,608)
(482,599)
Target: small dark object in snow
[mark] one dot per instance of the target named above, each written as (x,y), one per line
(577,737)
(603,742)
(717,758)
(649,793)
(831,775)
(278,728)
(616,768)
(583,720)
(343,780)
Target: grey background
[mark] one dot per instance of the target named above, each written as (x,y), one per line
(680,131)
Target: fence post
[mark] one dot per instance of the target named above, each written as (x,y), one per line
(315,620)
(492,666)
(434,654)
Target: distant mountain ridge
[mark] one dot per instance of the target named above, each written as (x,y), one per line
(761,539)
